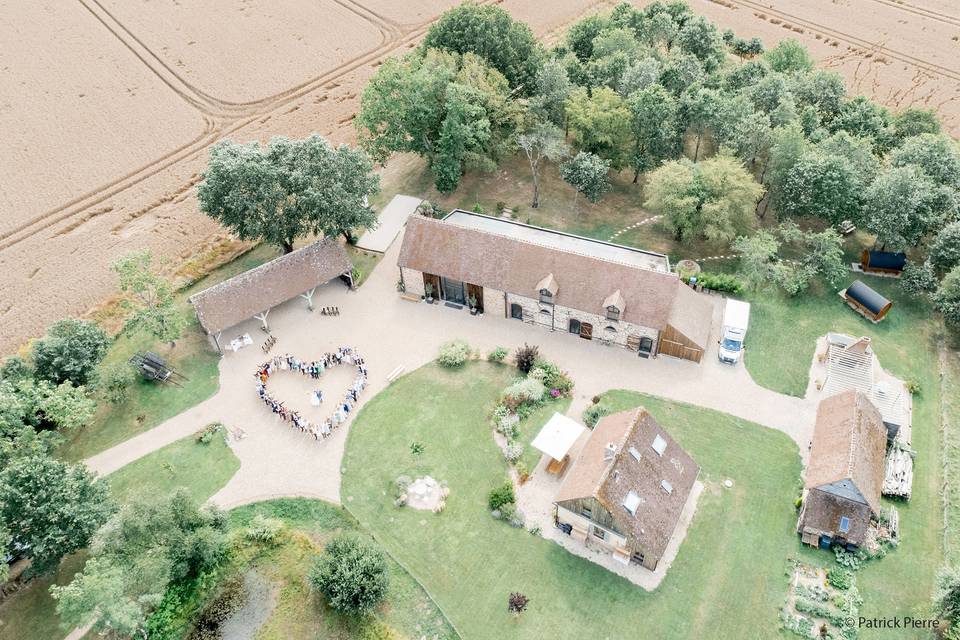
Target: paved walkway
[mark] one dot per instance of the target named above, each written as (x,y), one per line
(390,332)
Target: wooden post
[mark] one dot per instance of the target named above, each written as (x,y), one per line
(262,317)
(308,296)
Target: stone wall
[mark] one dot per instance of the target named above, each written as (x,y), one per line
(557,318)
(413,280)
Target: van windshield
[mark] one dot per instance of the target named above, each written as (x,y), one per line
(729,344)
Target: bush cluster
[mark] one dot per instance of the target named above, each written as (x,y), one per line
(593,413)
(722,282)
(499,354)
(264,530)
(352,574)
(557,381)
(500,496)
(453,354)
(526,357)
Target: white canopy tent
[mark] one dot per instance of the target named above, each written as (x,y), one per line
(557,436)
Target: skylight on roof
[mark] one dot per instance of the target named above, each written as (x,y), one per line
(636,454)
(631,502)
(666,486)
(659,445)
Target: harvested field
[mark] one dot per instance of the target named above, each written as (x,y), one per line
(111,179)
(244,51)
(77,110)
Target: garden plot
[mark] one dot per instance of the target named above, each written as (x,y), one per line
(249,50)
(820,603)
(78,110)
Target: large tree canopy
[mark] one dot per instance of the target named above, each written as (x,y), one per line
(600,123)
(713,199)
(288,189)
(454,110)
(654,128)
(492,34)
(824,186)
(70,351)
(51,507)
(904,204)
(936,155)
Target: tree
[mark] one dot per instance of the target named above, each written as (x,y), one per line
(946,597)
(904,205)
(149,296)
(700,109)
(42,405)
(5,541)
(490,33)
(947,298)
(640,75)
(587,174)
(581,34)
(113,381)
(864,118)
(453,110)
(600,123)
(936,155)
(856,151)
(789,56)
(918,279)
(787,147)
(51,507)
(742,76)
(543,142)
(701,38)
(351,574)
(70,351)
(823,254)
(553,87)
(913,122)
(759,258)
(680,72)
(288,189)
(713,199)
(823,186)
(752,141)
(654,128)
(744,48)
(823,90)
(135,557)
(945,249)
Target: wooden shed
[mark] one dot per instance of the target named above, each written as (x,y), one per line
(883,262)
(865,301)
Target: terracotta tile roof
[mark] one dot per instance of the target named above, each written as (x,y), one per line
(610,478)
(849,447)
(243,296)
(517,266)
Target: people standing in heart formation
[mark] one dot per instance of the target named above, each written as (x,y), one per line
(314,369)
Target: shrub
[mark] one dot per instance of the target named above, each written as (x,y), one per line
(517,603)
(913,387)
(526,391)
(593,413)
(522,470)
(453,354)
(497,355)
(512,452)
(516,519)
(264,530)
(722,282)
(846,559)
(526,356)
(553,377)
(209,432)
(840,578)
(352,574)
(918,280)
(509,427)
(114,382)
(500,496)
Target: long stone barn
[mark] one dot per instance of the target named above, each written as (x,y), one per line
(591,289)
(253,293)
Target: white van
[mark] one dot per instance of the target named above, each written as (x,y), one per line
(736,319)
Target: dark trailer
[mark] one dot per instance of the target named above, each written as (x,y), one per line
(883,262)
(866,301)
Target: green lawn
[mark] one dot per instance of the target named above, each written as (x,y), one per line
(201,469)
(299,613)
(728,581)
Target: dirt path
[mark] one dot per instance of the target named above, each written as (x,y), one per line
(391,332)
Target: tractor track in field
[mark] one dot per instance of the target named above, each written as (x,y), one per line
(221,117)
(849,38)
(920,11)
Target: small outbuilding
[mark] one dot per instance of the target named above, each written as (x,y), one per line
(883,262)
(865,301)
(845,474)
(253,293)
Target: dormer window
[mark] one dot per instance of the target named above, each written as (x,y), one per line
(546,297)
(547,288)
(613,313)
(614,305)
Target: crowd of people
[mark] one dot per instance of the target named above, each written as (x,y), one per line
(314,369)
